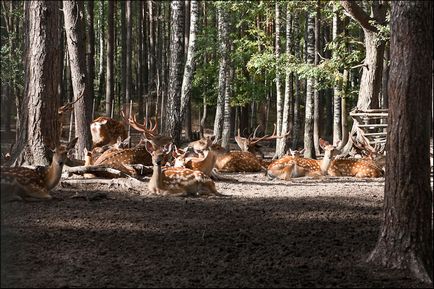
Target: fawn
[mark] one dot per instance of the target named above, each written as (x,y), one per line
(176,181)
(26,183)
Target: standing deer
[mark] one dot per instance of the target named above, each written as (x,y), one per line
(106,130)
(293,167)
(26,183)
(176,181)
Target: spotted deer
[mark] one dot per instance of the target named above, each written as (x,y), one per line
(122,158)
(296,166)
(106,130)
(176,181)
(229,161)
(27,183)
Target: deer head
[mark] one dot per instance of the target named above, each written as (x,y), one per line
(250,144)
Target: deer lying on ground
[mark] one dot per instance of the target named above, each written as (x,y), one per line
(26,183)
(176,181)
(296,166)
(229,161)
(250,144)
(106,130)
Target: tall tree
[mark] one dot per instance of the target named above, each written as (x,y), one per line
(370,83)
(337,127)
(74,27)
(308,125)
(128,56)
(281,145)
(109,88)
(101,62)
(297,124)
(38,109)
(279,96)
(190,62)
(173,121)
(90,48)
(316,111)
(405,239)
(223,68)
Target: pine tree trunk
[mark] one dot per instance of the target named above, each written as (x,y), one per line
(90,49)
(74,26)
(37,130)
(405,239)
(101,78)
(123,44)
(316,112)
(279,96)
(128,56)
(297,125)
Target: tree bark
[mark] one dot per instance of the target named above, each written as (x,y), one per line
(109,90)
(297,125)
(223,66)
(308,125)
(128,56)
(90,49)
(337,126)
(37,130)
(405,239)
(279,96)
(190,62)
(173,121)
(74,26)
(316,112)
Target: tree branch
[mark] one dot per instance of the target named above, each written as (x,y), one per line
(354,11)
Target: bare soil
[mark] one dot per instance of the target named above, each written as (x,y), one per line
(309,232)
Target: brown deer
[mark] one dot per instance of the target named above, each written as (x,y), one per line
(176,181)
(228,161)
(250,144)
(295,166)
(26,183)
(106,130)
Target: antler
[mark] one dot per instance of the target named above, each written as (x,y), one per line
(255,140)
(148,130)
(70,105)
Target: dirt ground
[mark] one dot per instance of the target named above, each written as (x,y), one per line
(310,232)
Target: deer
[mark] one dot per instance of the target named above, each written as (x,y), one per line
(228,161)
(176,181)
(24,183)
(106,130)
(250,144)
(122,158)
(290,167)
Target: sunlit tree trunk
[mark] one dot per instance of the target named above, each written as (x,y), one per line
(109,90)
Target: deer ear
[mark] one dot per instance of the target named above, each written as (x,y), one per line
(149,147)
(71,144)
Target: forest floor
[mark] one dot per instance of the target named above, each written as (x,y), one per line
(309,232)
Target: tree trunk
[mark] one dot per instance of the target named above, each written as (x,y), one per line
(279,96)
(190,62)
(370,82)
(281,144)
(74,26)
(128,56)
(101,80)
(140,66)
(296,133)
(37,130)
(109,90)
(405,239)
(308,125)
(90,50)
(123,56)
(316,112)
(223,49)
(337,126)
(173,120)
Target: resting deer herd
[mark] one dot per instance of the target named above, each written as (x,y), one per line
(180,171)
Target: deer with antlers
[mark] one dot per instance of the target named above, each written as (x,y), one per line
(290,167)
(26,183)
(176,181)
(250,144)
